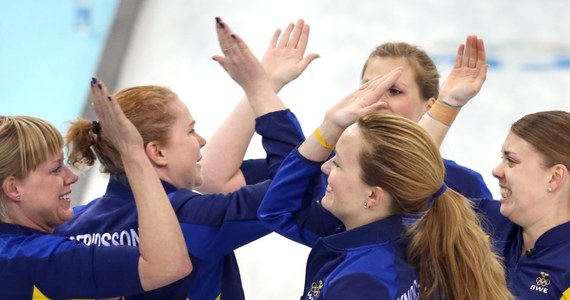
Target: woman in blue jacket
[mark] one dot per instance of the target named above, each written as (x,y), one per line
(403,233)
(34,199)
(530,225)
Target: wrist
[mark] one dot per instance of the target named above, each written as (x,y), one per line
(444,111)
(451,102)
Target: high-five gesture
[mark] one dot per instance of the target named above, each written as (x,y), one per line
(284,59)
(468,74)
(116,127)
(367,99)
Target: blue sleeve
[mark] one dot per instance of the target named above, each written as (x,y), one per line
(216,224)
(289,207)
(254,170)
(465,181)
(494,223)
(280,133)
(63,268)
(357,286)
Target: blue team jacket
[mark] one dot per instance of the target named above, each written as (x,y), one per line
(368,262)
(213,225)
(543,273)
(38,265)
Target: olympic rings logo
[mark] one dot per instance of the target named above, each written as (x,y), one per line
(543,279)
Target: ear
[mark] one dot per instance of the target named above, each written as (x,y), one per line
(559,176)
(376,197)
(430,103)
(10,188)
(156,154)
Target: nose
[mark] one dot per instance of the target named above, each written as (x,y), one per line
(70,177)
(201,140)
(498,171)
(325,168)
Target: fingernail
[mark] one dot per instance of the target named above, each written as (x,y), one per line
(100,86)
(93,80)
(233,36)
(213,58)
(109,97)
(222,25)
(217,19)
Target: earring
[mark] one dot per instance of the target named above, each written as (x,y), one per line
(365,205)
(549,189)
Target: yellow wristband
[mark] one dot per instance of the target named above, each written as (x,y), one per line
(322,140)
(443,112)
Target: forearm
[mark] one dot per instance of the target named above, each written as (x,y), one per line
(225,150)
(289,208)
(163,254)
(263,99)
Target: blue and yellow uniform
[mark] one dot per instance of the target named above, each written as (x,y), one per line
(368,262)
(544,272)
(213,225)
(38,265)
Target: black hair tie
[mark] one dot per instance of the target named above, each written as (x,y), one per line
(95,127)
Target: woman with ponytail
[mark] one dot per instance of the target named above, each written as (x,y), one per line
(530,225)
(403,233)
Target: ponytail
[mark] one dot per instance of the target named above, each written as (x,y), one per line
(448,247)
(453,255)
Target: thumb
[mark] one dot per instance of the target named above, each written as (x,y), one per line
(308,59)
(222,61)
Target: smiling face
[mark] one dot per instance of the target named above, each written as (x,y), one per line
(182,149)
(523,180)
(404,97)
(346,193)
(44,193)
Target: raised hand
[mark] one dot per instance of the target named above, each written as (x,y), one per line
(284,59)
(116,127)
(468,74)
(368,98)
(238,60)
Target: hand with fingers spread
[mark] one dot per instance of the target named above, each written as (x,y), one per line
(366,99)
(468,74)
(223,155)
(284,59)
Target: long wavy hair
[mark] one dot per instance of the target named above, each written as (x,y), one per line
(451,253)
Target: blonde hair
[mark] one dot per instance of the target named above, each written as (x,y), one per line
(25,142)
(147,107)
(451,253)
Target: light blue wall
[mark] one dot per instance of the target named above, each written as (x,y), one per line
(48,52)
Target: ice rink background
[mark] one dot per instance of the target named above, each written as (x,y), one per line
(528,46)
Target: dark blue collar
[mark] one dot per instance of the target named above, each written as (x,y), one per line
(9,228)
(554,236)
(381,231)
(118,187)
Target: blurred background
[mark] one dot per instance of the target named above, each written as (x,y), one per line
(50,49)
